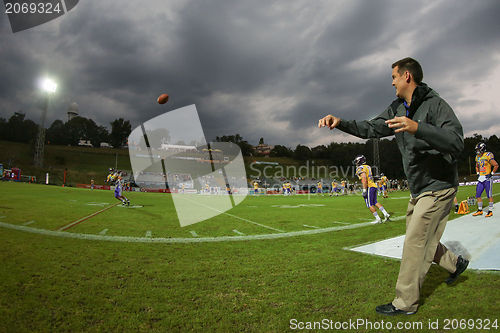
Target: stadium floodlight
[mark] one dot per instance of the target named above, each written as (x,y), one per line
(49,85)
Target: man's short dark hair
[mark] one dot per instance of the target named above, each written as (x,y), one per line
(412,66)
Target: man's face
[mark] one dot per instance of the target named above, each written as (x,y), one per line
(399,81)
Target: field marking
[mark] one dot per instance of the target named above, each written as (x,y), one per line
(298,206)
(130,239)
(149,234)
(311,226)
(1,217)
(194,233)
(340,222)
(29,222)
(67,226)
(103,232)
(238,232)
(397,218)
(237,217)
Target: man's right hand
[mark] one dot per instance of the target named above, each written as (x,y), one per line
(329,121)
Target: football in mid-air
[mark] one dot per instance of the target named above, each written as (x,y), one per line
(162,99)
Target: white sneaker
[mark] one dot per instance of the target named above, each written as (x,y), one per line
(386,217)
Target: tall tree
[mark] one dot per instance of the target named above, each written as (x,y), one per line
(246,148)
(81,128)
(120,130)
(19,129)
(3,129)
(302,153)
(281,151)
(102,134)
(57,134)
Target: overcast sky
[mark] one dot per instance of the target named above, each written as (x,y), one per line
(258,68)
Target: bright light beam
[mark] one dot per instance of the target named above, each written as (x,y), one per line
(49,85)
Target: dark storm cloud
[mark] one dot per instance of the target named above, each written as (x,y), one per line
(257,68)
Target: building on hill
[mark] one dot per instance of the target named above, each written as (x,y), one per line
(84,143)
(72,111)
(263,149)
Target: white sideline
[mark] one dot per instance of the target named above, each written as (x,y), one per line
(179,240)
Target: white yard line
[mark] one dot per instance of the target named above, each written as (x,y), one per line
(180,240)
(236,217)
(65,227)
(311,226)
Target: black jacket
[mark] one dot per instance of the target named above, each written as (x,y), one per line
(429,156)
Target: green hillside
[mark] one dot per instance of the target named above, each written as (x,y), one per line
(85,163)
(82,163)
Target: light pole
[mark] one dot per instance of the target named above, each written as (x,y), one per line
(49,86)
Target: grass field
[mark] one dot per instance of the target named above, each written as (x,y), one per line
(126,281)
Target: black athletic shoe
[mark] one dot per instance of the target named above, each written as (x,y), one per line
(461,266)
(390,310)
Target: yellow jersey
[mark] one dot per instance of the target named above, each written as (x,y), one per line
(255,186)
(384,180)
(112,177)
(483,163)
(368,172)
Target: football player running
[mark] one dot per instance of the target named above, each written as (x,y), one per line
(364,173)
(486,166)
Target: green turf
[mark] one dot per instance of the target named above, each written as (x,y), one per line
(59,284)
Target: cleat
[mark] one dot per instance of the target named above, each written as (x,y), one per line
(460,268)
(479,212)
(490,214)
(390,310)
(386,218)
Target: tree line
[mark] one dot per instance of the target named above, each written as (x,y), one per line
(342,154)
(19,129)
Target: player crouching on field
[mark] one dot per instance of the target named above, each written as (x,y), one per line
(486,166)
(364,172)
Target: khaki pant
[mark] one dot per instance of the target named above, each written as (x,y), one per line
(425,222)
